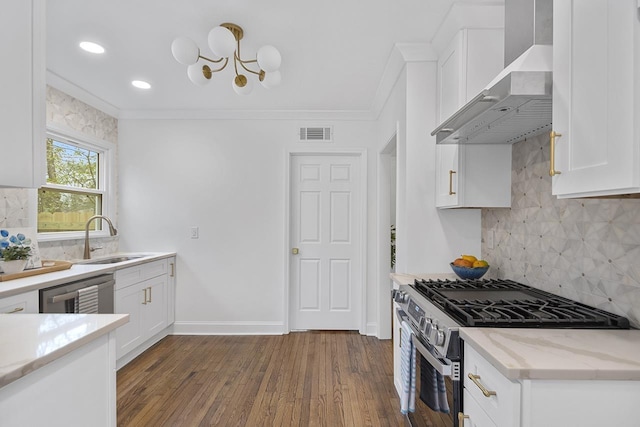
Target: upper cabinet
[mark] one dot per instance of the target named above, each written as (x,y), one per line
(596,98)
(473,175)
(22,104)
(470,61)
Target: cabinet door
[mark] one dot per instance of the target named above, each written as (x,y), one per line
(130,300)
(447,175)
(596,97)
(22,103)
(475,416)
(21,303)
(154,318)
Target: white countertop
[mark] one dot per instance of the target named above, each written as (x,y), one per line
(561,354)
(76,272)
(30,341)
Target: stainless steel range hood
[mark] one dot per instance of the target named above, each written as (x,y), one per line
(517,103)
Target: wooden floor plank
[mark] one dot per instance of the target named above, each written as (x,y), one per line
(319,378)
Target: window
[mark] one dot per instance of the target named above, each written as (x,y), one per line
(77,187)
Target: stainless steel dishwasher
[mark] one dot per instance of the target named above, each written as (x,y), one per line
(62,298)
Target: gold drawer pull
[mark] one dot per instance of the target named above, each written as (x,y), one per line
(15,310)
(146,298)
(552,152)
(451,192)
(476,381)
(461,418)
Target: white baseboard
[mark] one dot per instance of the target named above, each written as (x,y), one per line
(228,328)
(372,329)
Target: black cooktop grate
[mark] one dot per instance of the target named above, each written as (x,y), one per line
(505,303)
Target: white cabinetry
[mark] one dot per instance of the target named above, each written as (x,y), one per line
(397,332)
(470,175)
(470,61)
(142,292)
(543,403)
(22,303)
(171,292)
(490,399)
(596,97)
(473,176)
(22,104)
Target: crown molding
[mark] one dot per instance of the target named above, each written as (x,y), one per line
(468,15)
(333,115)
(401,54)
(81,94)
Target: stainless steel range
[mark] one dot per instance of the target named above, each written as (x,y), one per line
(436,309)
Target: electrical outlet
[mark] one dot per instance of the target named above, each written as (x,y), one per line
(195,233)
(491,239)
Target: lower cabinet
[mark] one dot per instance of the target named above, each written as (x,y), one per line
(26,302)
(492,400)
(146,292)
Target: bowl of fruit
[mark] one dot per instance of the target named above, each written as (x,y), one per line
(469,267)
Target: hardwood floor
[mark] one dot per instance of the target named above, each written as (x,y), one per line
(320,378)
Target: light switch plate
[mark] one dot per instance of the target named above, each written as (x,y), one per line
(195,233)
(490,239)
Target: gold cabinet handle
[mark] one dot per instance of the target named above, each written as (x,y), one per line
(461,418)
(149,294)
(552,149)
(476,381)
(295,251)
(451,192)
(145,296)
(173,269)
(15,310)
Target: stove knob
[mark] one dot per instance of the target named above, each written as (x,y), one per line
(399,296)
(439,337)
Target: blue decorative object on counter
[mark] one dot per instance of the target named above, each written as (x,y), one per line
(469,273)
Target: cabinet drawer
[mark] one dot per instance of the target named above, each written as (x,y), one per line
(139,273)
(503,404)
(477,416)
(22,303)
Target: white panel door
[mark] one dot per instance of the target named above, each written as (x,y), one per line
(325,220)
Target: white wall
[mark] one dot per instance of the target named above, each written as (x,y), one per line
(226,177)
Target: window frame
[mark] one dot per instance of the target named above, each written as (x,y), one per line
(106,181)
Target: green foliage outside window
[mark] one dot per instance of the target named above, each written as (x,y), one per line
(67,201)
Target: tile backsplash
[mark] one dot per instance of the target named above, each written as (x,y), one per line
(583,249)
(66,112)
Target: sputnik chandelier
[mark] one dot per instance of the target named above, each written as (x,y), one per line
(224,41)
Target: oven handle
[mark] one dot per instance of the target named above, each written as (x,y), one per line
(442,366)
(74,294)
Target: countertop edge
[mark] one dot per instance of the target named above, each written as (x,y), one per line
(35,364)
(576,373)
(81,271)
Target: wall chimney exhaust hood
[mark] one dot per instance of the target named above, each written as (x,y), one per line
(517,103)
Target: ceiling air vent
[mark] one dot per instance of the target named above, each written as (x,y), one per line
(322,134)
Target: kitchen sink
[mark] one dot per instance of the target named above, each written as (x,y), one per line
(112,260)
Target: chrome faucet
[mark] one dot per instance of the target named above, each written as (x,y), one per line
(112,231)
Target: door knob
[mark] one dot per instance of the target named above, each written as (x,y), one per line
(295,251)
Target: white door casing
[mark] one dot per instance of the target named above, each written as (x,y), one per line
(327,219)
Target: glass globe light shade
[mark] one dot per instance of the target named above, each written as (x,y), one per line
(269,58)
(185,50)
(222,42)
(271,79)
(242,90)
(195,74)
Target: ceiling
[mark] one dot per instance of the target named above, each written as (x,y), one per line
(334,51)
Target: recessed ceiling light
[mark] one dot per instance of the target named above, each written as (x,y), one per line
(141,84)
(91,47)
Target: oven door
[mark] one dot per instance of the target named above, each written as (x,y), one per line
(429,366)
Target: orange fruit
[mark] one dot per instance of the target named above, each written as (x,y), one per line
(460,262)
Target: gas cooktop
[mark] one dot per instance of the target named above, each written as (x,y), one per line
(505,303)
